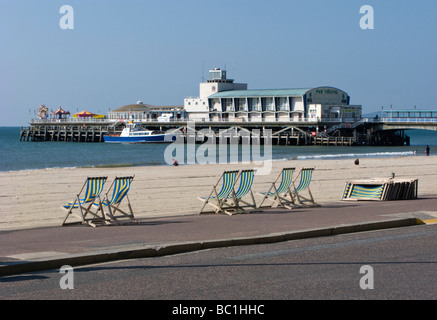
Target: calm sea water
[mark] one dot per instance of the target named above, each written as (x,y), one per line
(17,155)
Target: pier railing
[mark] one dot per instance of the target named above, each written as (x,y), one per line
(235,120)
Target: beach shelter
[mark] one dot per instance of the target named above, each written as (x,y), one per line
(60,113)
(83,114)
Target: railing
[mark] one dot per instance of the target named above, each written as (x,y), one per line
(235,120)
(69,120)
(409,120)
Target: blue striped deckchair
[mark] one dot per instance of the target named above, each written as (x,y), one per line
(280,196)
(246,178)
(217,199)
(121,187)
(364,191)
(93,187)
(305,175)
(367,192)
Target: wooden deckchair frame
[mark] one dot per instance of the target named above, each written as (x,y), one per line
(240,203)
(92,188)
(120,188)
(305,175)
(217,199)
(280,196)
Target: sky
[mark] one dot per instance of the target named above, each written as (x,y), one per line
(120,52)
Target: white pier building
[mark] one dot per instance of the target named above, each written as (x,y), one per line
(220,99)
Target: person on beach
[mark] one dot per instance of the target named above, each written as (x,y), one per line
(427,150)
(175,163)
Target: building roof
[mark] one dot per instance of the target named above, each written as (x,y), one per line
(261,93)
(146,107)
(133,107)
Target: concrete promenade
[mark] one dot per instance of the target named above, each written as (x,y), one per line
(30,250)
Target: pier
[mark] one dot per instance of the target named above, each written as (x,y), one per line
(366,131)
(66,133)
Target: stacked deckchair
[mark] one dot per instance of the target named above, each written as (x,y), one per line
(380,189)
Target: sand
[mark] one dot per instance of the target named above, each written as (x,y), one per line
(33,198)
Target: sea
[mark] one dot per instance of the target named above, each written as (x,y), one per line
(25,155)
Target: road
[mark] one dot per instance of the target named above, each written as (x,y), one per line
(401,264)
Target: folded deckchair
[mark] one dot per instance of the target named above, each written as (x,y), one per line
(305,175)
(280,196)
(381,189)
(238,202)
(217,199)
(83,203)
(114,214)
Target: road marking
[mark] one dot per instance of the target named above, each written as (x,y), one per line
(430,221)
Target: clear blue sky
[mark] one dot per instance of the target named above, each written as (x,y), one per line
(157,51)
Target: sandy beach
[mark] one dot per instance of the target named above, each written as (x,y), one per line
(33,198)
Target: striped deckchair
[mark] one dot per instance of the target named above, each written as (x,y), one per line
(121,187)
(82,205)
(305,175)
(246,178)
(280,196)
(217,199)
(367,192)
(364,191)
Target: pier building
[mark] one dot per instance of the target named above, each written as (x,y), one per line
(142,112)
(220,99)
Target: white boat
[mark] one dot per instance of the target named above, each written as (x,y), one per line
(137,134)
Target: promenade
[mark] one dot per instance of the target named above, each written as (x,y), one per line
(37,249)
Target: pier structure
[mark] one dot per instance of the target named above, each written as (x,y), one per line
(331,132)
(224,109)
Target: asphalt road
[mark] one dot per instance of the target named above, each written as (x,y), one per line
(402,264)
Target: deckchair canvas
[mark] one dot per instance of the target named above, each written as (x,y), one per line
(217,199)
(82,205)
(239,203)
(114,214)
(305,175)
(280,196)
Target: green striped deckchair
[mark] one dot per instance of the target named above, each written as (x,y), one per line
(305,175)
(363,191)
(217,199)
(367,192)
(280,196)
(120,187)
(240,205)
(92,188)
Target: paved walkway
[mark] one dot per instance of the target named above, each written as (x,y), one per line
(50,248)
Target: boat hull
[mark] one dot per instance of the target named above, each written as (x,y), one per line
(158,138)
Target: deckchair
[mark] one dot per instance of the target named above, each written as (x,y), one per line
(217,199)
(280,196)
(120,187)
(82,205)
(305,175)
(239,202)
